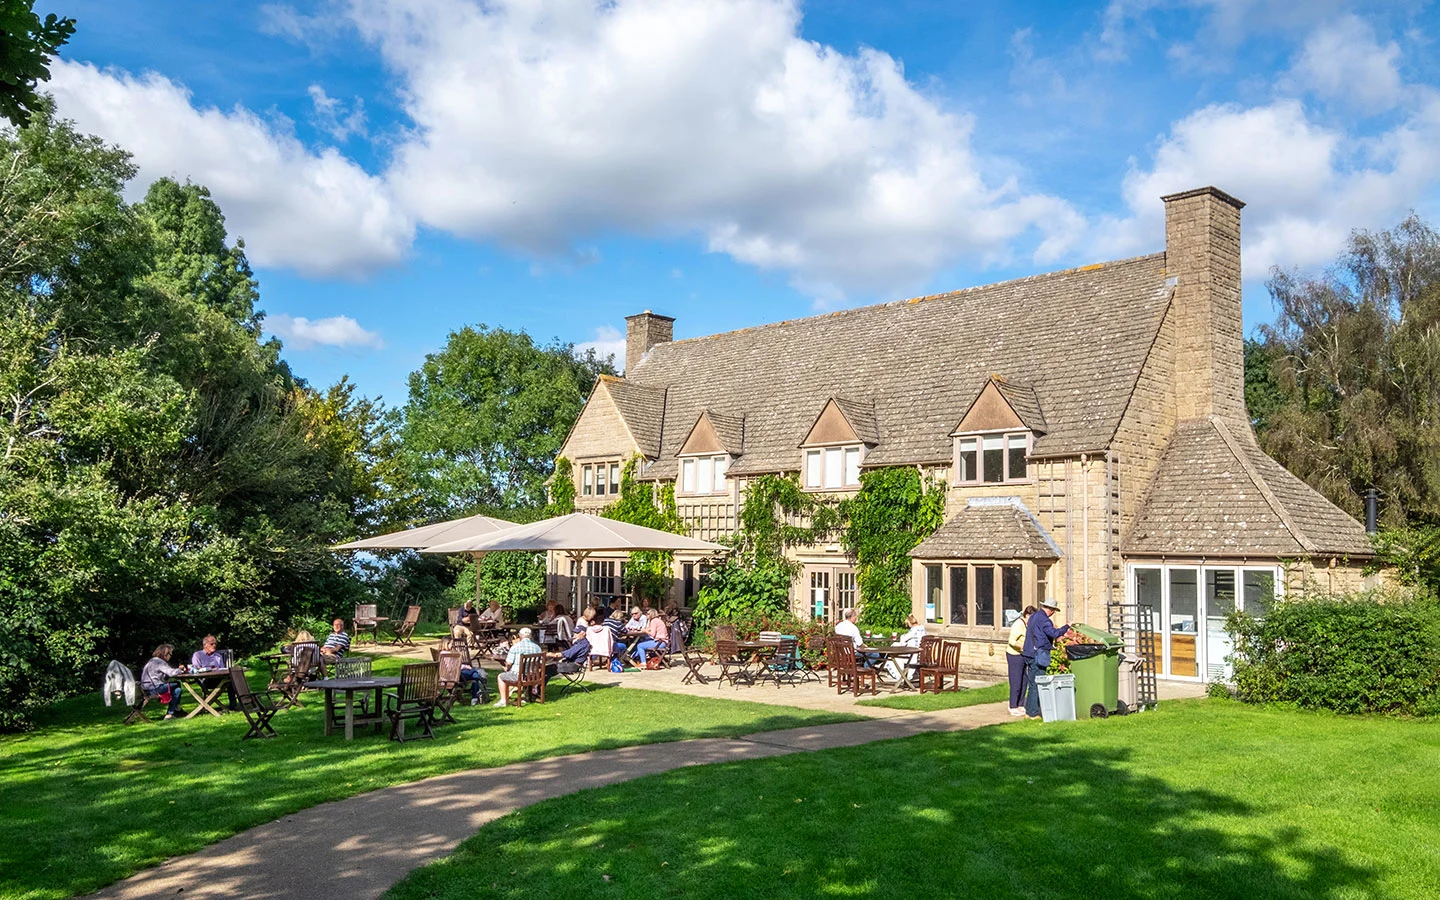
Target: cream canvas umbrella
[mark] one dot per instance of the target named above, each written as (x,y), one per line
(429,535)
(577,535)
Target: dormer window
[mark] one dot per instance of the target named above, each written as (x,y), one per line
(704,475)
(832,468)
(991,458)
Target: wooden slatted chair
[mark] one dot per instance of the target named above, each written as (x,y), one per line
(694,661)
(259,709)
(816,648)
(943,661)
(848,671)
(366,621)
(724,633)
(734,667)
(303,667)
(450,687)
(784,666)
(531,680)
(406,629)
(414,698)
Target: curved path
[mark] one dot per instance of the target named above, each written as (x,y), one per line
(358,847)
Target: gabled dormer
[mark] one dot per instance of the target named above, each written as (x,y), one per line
(836,444)
(714,441)
(995,435)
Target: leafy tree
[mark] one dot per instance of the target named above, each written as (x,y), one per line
(163,474)
(27,43)
(487,415)
(1352,396)
(894,510)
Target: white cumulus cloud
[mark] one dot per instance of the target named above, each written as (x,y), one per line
(313,211)
(1344,60)
(539,124)
(301,333)
(608,341)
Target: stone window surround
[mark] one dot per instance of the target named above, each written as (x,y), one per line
(725,480)
(979,437)
(586,488)
(842,446)
(1030,578)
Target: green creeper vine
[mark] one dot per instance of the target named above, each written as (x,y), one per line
(562,489)
(754,579)
(647,574)
(894,510)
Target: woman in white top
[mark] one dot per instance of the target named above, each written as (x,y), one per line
(910,638)
(1014,647)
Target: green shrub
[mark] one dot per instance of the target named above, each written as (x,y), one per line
(1362,653)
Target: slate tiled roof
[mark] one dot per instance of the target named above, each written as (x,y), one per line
(1216,493)
(989,528)
(1077,338)
(1026,404)
(642,406)
(861,417)
(730,430)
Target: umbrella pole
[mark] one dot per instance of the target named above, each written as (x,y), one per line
(478,557)
(580,594)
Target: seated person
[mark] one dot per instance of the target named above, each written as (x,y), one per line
(466,621)
(564,626)
(656,637)
(523,647)
(336,643)
(471,673)
(548,615)
(617,625)
(579,649)
(494,616)
(209,657)
(847,628)
(910,638)
(155,679)
(637,622)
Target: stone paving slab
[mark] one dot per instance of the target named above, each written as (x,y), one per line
(358,847)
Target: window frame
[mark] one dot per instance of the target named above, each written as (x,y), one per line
(976,441)
(816,461)
(1035,575)
(717,484)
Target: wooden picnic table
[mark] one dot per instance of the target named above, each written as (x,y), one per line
(194,682)
(376,716)
(894,651)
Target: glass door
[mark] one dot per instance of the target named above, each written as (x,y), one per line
(1182,623)
(820,594)
(1219,604)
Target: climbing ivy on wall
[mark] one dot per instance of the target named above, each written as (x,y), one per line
(562,489)
(895,509)
(647,574)
(755,578)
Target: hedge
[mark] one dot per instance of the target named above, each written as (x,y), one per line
(1359,653)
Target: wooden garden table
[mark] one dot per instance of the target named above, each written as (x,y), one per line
(376,717)
(894,651)
(194,683)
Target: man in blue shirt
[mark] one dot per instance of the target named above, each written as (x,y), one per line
(1040,637)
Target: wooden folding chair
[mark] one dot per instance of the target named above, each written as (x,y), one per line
(415,697)
(303,663)
(784,666)
(449,675)
(406,629)
(259,709)
(733,667)
(366,621)
(694,661)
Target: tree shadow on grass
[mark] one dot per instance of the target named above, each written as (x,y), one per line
(998,812)
(87,801)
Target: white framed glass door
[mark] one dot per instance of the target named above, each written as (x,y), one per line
(1193,603)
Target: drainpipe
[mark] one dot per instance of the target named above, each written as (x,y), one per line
(1372,510)
(1084,531)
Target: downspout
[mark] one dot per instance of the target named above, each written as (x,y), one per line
(1084,531)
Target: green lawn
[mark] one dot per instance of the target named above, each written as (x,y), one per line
(85,801)
(1201,799)
(995,693)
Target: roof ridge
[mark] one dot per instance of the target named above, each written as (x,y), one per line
(1274,502)
(1091,267)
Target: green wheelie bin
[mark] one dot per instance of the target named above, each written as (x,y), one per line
(1097,673)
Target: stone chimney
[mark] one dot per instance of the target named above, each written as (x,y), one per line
(643,331)
(1202,254)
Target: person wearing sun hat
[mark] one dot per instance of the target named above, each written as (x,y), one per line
(1040,635)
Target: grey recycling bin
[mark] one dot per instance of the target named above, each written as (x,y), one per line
(1057,697)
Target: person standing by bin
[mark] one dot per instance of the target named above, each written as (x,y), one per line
(1040,635)
(1015,660)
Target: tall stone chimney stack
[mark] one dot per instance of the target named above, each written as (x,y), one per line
(1202,254)
(643,331)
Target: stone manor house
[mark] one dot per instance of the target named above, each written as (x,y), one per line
(1090,425)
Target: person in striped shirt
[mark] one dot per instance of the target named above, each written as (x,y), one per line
(337,643)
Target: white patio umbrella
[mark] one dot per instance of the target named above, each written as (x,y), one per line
(577,535)
(428,535)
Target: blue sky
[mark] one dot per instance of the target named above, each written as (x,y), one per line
(399,170)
